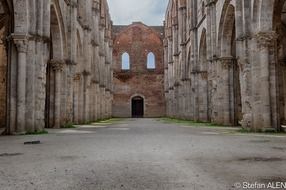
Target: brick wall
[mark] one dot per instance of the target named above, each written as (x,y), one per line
(138,40)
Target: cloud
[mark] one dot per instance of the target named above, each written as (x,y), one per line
(150,12)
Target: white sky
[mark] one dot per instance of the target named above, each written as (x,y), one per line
(150,12)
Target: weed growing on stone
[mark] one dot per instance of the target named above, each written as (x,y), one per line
(189,122)
(68,126)
(43,132)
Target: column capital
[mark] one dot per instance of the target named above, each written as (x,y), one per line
(226,62)
(86,73)
(101,85)
(95,80)
(70,62)
(77,77)
(177,83)
(21,42)
(265,39)
(94,43)
(57,64)
(73,4)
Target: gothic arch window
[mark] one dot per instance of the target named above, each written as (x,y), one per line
(125,61)
(151,62)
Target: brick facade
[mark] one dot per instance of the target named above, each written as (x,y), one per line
(138,40)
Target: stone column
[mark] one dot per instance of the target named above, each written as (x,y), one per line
(224,93)
(194,95)
(57,66)
(262,107)
(102,101)
(189,114)
(76,82)
(21,42)
(86,82)
(97,103)
(184,100)
(203,96)
(172,101)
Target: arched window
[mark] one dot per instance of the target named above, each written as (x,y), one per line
(125,61)
(151,63)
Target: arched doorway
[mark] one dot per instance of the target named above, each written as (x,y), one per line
(5,47)
(137,104)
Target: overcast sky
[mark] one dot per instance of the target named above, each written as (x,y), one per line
(150,12)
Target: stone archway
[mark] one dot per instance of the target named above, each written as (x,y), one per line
(229,94)
(54,70)
(5,30)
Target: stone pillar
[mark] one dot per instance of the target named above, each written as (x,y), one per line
(172,102)
(107,103)
(189,114)
(184,99)
(97,103)
(21,43)
(194,95)
(57,66)
(224,93)
(86,82)
(262,112)
(76,97)
(203,96)
(101,103)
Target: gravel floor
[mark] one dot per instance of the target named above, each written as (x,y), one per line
(141,154)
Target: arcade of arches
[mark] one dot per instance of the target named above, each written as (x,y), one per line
(55,64)
(225,62)
(216,61)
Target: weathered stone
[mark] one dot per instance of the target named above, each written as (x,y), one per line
(52,59)
(234,44)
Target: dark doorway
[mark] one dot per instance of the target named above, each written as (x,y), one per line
(137,107)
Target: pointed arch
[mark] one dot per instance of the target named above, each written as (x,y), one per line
(58,36)
(226,30)
(125,61)
(151,61)
(264,13)
(203,51)
(58,54)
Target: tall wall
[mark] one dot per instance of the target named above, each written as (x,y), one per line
(225,62)
(59,63)
(138,40)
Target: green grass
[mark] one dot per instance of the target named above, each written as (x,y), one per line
(189,122)
(267,132)
(68,126)
(206,124)
(43,132)
(107,121)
